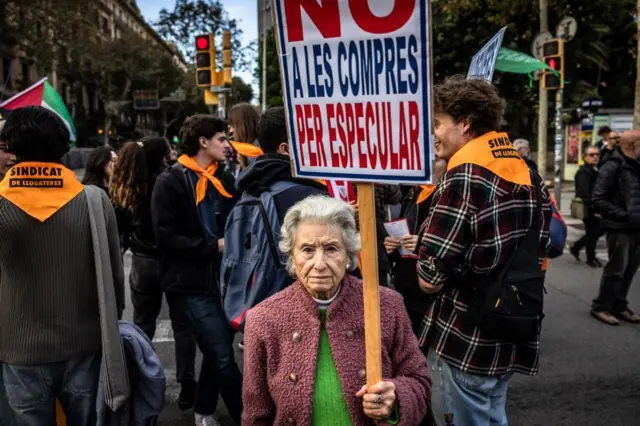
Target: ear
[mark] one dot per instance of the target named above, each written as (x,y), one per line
(465,126)
(203,142)
(283,148)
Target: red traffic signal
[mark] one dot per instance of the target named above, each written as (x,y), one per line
(553,64)
(202,42)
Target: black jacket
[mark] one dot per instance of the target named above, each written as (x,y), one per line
(617,193)
(605,155)
(271,168)
(585,182)
(189,259)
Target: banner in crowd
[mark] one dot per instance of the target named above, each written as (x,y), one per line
(356,78)
(483,63)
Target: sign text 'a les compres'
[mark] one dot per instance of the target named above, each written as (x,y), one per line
(356,77)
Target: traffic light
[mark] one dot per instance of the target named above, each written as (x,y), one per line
(226,58)
(205,61)
(553,57)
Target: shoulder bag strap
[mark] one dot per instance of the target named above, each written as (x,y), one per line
(116,380)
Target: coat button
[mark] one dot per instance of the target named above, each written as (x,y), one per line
(362,374)
(293,377)
(350,335)
(297,337)
(291,421)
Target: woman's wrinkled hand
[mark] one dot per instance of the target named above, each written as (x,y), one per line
(378,401)
(390,245)
(410,242)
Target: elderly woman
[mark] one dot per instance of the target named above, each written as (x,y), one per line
(304,347)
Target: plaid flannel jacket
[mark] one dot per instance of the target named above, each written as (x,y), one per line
(476,221)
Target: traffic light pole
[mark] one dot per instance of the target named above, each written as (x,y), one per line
(543,104)
(559,147)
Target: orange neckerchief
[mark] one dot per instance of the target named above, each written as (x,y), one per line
(40,189)
(205,177)
(427,190)
(247,149)
(495,152)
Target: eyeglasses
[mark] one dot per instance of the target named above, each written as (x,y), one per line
(593,154)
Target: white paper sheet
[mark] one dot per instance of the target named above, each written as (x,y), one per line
(399,229)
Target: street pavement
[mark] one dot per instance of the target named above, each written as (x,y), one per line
(589,372)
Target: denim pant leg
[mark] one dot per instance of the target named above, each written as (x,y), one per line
(185,340)
(30,393)
(215,339)
(611,284)
(79,389)
(208,391)
(467,399)
(621,303)
(146,293)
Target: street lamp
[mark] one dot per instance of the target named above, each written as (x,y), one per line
(267,9)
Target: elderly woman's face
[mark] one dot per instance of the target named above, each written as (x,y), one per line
(320,258)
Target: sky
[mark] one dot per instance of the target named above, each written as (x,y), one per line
(244,11)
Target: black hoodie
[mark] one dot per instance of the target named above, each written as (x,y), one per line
(271,168)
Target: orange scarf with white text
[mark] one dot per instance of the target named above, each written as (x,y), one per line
(494,152)
(40,189)
(206,176)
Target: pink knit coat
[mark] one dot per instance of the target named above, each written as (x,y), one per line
(282,337)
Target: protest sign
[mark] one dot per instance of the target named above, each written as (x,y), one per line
(356,78)
(484,62)
(342,190)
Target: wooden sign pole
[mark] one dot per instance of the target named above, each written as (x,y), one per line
(369,270)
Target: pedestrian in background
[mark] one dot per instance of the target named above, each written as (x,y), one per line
(485,207)
(617,198)
(305,350)
(603,134)
(612,141)
(522,146)
(134,176)
(415,209)
(50,338)
(585,182)
(190,204)
(99,167)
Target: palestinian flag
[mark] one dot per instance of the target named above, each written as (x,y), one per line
(40,94)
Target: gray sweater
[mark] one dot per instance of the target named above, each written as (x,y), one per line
(48,296)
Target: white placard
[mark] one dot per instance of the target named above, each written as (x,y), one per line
(356,78)
(483,63)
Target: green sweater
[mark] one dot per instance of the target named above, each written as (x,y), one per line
(329,406)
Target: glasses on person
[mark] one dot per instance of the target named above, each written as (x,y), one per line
(593,154)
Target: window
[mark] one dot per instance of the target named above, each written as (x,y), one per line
(26,73)
(6,73)
(104,24)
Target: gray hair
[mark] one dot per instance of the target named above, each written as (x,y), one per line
(320,209)
(520,143)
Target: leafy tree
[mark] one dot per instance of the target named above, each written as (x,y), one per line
(240,92)
(274,83)
(192,17)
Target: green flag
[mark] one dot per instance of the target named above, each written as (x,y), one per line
(516,62)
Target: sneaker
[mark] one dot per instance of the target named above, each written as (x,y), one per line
(210,420)
(241,345)
(605,317)
(575,253)
(595,263)
(628,316)
(187,397)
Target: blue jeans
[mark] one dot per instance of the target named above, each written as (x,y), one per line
(219,370)
(467,399)
(31,391)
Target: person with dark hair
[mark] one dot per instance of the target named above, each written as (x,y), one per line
(190,203)
(275,165)
(134,176)
(487,204)
(243,131)
(603,133)
(7,160)
(50,338)
(612,142)
(100,167)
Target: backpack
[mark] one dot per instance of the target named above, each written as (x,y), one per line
(252,267)
(507,303)
(557,232)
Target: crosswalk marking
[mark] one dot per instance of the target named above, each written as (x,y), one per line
(164,332)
